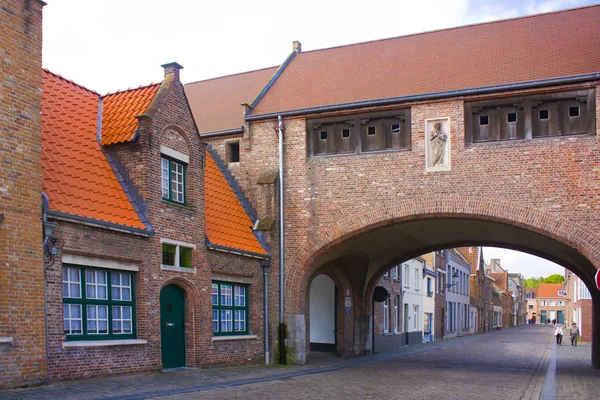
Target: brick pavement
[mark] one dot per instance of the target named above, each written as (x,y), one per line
(507,364)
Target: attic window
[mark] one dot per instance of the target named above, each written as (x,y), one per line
(396,128)
(234,152)
(544,114)
(324,135)
(484,120)
(346,133)
(511,117)
(574,111)
(371,130)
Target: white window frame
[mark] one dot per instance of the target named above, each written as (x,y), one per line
(386,316)
(177,266)
(406,277)
(416,278)
(396,313)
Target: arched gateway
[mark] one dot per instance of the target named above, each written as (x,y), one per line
(360,248)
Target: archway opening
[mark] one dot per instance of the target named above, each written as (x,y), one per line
(322,312)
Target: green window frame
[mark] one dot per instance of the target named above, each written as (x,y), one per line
(230,309)
(173,180)
(98,304)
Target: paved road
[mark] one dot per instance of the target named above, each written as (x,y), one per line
(518,363)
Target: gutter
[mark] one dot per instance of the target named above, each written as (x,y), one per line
(230,250)
(429,96)
(224,132)
(61,216)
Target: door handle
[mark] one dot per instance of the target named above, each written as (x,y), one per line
(170,323)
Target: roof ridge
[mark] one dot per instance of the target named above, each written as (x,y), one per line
(132,89)
(230,75)
(71,81)
(453,28)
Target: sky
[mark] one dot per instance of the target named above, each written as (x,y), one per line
(111,45)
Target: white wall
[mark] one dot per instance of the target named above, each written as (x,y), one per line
(322,310)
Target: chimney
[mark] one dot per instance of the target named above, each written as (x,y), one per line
(297,47)
(172,68)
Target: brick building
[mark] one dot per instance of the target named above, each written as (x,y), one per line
(386,155)
(532,306)
(578,306)
(551,302)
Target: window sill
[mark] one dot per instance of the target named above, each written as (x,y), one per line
(6,340)
(233,337)
(184,206)
(103,343)
(177,269)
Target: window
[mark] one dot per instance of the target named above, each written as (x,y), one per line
(544,114)
(173,180)
(387,274)
(542,302)
(386,315)
(323,135)
(511,117)
(415,317)
(345,133)
(175,255)
(429,291)
(484,120)
(531,306)
(371,130)
(561,303)
(234,152)
(574,111)
(396,313)
(395,272)
(562,293)
(97,303)
(417,279)
(405,277)
(229,309)
(552,303)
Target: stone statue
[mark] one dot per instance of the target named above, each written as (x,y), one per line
(438,144)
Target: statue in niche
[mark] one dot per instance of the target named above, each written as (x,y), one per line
(438,139)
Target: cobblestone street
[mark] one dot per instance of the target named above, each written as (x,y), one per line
(519,363)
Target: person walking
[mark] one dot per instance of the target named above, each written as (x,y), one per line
(574,333)
(559,332)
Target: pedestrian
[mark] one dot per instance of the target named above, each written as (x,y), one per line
(559,332)
(574,332)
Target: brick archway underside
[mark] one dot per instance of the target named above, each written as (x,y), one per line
(380,237)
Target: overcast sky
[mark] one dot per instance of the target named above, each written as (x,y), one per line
(110,45)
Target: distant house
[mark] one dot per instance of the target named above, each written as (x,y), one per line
(551,302)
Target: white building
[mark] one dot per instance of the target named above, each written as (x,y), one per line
(458,295)
(412,287)
(429,285)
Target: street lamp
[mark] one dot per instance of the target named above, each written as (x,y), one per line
(454,280)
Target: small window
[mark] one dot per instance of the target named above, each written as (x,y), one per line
(234,152)
(371,130)
(229,309)
(346,133)
(396,128)
(574,111)
(176,256)
(511,117)
(173,180)
(484,120)
(324,135)
(544,114)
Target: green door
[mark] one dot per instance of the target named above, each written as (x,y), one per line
(560,317)
(543,321)
(172,327)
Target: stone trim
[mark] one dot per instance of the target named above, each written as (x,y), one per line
(174,154)
(240,337)
(178,269)
(103,343)
(232,279)
(6,340)
(100,262)
(177,243)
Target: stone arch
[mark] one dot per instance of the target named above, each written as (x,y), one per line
(173,137)
(550,225)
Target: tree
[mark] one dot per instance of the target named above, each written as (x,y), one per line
(555,278)
(532,283)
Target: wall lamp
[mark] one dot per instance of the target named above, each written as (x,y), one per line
(454,280)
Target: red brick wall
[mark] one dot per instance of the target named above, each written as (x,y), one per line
(21,305)
(585,326)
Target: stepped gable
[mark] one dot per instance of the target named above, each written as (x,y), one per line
(76,174)
(538,47)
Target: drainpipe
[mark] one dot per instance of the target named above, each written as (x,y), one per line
(45,234)
(282,356)
(266,264)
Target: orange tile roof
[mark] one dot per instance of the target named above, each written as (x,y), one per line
(547,290)
(558,44)
(119,111)
(227,223)
(471,254)
(75,173)
(216,103)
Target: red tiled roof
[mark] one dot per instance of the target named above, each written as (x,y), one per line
(558,44)
(216,103)
(548,290)
(227,223)
(75,173)
(119,111)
